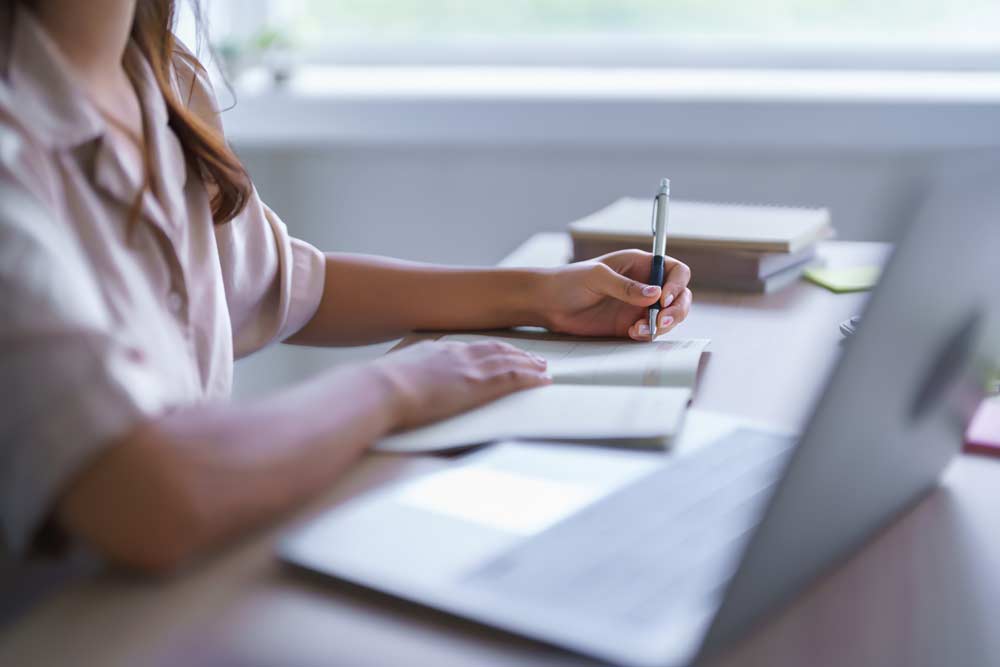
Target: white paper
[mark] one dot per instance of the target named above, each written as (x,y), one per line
(647,416)
(662,363)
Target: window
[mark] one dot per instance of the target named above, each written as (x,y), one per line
(961,34)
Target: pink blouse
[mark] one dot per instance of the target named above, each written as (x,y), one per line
(104,326)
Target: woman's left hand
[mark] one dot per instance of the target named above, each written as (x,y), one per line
(608,296)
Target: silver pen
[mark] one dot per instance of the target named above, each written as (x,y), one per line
(661,214)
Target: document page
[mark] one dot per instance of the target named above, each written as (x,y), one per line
(632,416)
(662,363)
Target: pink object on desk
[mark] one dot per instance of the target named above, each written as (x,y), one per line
(983,434)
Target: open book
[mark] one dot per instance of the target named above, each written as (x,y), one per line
(622,393)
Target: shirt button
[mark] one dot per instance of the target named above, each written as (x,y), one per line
(175,302)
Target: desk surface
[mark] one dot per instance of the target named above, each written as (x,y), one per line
(924,592)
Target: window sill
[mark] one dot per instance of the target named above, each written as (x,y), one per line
(491,106)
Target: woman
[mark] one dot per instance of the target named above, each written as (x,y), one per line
(138,261)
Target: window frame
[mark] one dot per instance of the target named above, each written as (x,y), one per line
(616,52)
(229,18)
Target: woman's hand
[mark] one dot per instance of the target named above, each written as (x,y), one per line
(608,296)
(434,379)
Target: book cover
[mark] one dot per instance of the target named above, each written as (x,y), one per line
(773,229)
(707,264)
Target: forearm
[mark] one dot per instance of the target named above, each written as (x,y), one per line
(367,299)
(192,479)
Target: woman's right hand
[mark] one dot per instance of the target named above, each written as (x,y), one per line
(432,380)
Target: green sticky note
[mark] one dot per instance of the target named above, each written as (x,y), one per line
(844,279)
(993,379)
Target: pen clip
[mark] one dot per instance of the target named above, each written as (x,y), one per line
(652,220)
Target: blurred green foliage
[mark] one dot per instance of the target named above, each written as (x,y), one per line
(864,19)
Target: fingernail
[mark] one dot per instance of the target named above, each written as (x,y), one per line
(668,298)
(666,322)
(537,359)
(643,329)
(650,290)
(546,377)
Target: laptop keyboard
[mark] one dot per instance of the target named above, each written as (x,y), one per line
(674,534)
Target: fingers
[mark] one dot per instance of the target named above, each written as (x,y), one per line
(639,330)
(502,374)
(431,380)
(628,261)
(495,348)
(636,263)
(504,366)
(676,313)
(500,363)
(489,348)
(611,283)
(677,279)
(667,319)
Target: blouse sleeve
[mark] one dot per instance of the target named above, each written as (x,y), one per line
(273,281)
(71,386)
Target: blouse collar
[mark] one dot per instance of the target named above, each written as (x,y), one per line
(43,95)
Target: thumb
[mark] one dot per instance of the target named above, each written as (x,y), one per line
(625,289)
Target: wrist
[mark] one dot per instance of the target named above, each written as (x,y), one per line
(388,399)
(529,300)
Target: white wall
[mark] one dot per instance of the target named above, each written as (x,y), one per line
(476,204)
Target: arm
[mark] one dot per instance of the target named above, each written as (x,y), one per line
(366,298)
(176,486)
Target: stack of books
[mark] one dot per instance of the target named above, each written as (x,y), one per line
(729,247)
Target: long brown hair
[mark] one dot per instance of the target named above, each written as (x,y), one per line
(205,149)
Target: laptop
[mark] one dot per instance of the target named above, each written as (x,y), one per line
(649,560)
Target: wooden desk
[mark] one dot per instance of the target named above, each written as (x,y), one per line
(925,592)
